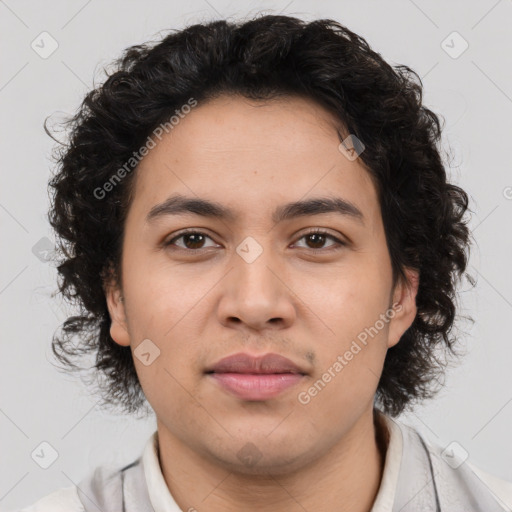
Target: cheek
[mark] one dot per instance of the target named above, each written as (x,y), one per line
(169,380)
(352,332)
(348,370)
(159,294)
(347,301)
(342,389)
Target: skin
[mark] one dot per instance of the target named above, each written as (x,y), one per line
(299,298)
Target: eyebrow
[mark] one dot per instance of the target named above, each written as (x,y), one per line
(179,205)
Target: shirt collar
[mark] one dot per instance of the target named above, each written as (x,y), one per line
(386,494)
(159,494)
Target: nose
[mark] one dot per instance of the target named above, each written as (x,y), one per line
(256,296)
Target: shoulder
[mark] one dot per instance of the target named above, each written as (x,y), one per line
(103,485)
(452,468)
(455,461)
(501,489)
(104,479)
(61,500)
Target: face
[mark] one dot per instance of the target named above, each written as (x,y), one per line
(256,283)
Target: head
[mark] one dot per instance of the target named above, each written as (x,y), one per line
(250,117)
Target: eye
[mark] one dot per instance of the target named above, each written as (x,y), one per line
(193,240)
(318,237)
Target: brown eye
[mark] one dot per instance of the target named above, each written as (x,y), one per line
(316,239)
(192,241)
(195,241)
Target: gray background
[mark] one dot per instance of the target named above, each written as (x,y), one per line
(473,93)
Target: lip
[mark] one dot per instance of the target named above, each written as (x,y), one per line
(256,387)
(246,363)
(256,377)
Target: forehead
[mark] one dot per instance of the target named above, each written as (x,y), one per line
(250,154)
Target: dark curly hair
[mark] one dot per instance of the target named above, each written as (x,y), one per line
(263,58)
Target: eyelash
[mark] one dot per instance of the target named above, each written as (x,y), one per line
(196,232)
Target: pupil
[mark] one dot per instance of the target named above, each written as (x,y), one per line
(192,236)
(319,238)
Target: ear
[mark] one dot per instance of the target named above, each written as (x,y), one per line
(116,309)
(404,306)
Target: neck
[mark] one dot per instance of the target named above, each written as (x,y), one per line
(346,478)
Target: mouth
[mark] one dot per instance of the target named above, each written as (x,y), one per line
(255,378)
(262,364)
(256,387)
(262,372)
